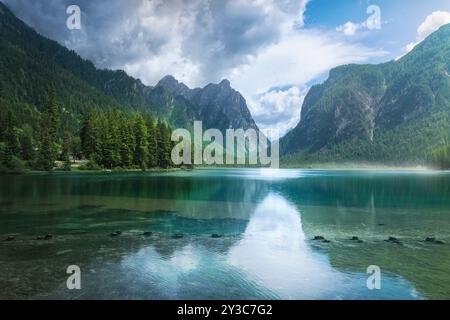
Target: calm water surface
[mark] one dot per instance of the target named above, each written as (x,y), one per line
(267,220)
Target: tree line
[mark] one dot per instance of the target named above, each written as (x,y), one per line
(439,158)
(108,140)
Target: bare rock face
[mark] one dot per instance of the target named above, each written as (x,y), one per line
(219,106)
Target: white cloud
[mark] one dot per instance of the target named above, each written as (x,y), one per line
(432,23)
(373,22)
(278,109)
(298,58)
(350,28)
(258,45)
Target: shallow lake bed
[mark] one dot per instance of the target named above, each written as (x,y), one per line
(264,221)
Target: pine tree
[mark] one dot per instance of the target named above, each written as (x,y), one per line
(11,149)
(48,137)
(141,142)
(27,143)
(152,142)
(90,136)
(76,147)
(164,145)
(127,141)
(113,127)
(65,154)
(3,124)
(107,145)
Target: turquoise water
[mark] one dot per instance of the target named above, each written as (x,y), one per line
(266,220)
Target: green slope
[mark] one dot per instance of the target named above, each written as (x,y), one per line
(392,112)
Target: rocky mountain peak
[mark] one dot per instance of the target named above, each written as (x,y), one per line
(225,83)
(173,85)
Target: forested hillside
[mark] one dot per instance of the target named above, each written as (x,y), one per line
(29,63)
(396,112)
(36,72)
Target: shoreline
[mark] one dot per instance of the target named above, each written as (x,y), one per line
(318,167)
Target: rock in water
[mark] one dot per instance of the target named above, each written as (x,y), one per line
(46,237)
(433,240)
(393,240)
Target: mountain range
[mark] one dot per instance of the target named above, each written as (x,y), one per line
(391,112)
(30,62)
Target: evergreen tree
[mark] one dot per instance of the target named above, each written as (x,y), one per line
(127,141)
(164,145)
(48,137)
(113,123)
(76,147)
(90,136)
(115,139)
(27,143)
(11,148)
(141,142)
(65,154)
(439,158)
(107,143)
(3,124)
(152,142)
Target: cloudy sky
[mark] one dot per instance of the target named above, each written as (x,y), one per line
(272,51)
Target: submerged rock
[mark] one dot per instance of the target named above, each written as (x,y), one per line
(46,237)
(318,238)
(178,236)
(215,235)
(433,240)
(355,238)
(10,238)
(115,234)
(147,233)
(393,240)
(326,241)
